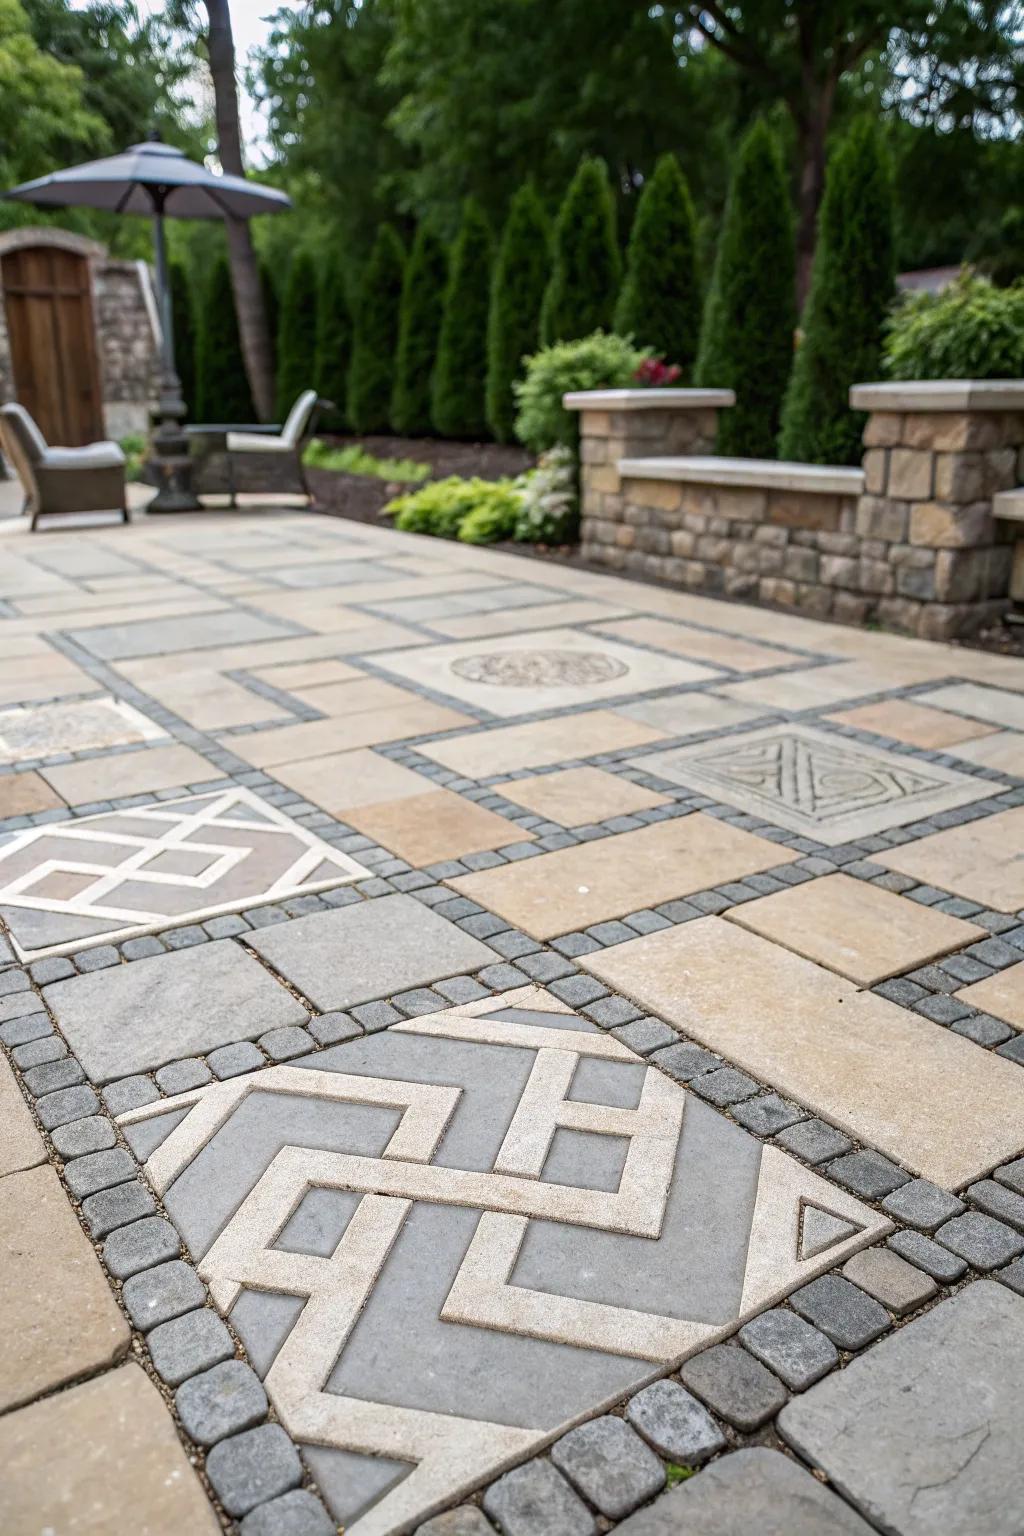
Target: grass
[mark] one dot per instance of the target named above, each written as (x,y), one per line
(354,460)
(676,1474)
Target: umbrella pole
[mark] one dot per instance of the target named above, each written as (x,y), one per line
(170,464)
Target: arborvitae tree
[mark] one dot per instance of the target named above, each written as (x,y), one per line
(460,373)
(296,333)
(521,275)
(851,288)
(183,324)
(375,335)
(587,268)
(660,302)
(426,273)
(222,389)
(333,343)
(747,337)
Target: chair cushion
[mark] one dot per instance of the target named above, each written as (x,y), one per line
(257,442)
(92,456)
(24,427)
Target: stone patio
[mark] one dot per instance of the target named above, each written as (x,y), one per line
(493,1046)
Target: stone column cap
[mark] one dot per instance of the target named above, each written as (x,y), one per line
(648,399)
(1009,505)
(940,395)
(752,474)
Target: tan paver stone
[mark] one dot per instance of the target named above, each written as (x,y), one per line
(578,795)
(994,705)
(60,1317)
(341,780)
(43,677)
(688,714)
(983,860)
(468,626)
(129,773)
(21,1145)
(541,742)
(1001,750)
(100,1458)
(700,644)
(924,1096)
(857,929)
(317,738)
(23,793)
(916,724)
(308,674)
(574,887)
(889,1279)
(426,828)
(211,702)
(1001,993)
(832,684)
(355,697)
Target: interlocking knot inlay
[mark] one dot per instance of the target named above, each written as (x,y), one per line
(540,669)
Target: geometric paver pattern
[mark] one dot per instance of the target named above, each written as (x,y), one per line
(124,872)
(83,726)
(817,784)
(446,1243)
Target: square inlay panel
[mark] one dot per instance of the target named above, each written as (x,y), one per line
(445,1243)
(39,730)
(822,786)
(518,674)
(106,877)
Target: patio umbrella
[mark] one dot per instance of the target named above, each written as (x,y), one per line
(160,181)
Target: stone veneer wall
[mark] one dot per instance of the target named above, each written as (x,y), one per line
(911,542)
(127,329)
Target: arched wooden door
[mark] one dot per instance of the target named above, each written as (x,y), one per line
(53,342)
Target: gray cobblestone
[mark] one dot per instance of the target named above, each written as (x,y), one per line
(790,1346)
(684,1061)
(332,1028)
(998,1201)
(922,1204)
(512,945)
(180,1076)
(157,1295)
(231,1060)
(814,1141)
(189,1344)
(938,1262)
(983,1029)
(93,1134)
(98,959)
(1012,1175)
(767,1115)
(419,1001)
(295,1514)
(117,1207)
(502,978)
(283,1044)
(610,1465)
(221,1401)
(461,989)
(465,1520)
(735,1385)
(675,1423)
(725,1085)
(573,945)
(55,968)
(185,938)
(867,1174)
(226,926)
(645,1035)
(253,1467)
(129,1093)
(611,1011)
(66,1104)
(546,967)
(376,1015)
(51,1075)
(984,1242)
(98,1170)
(849,1316)
(145,1243)
(143,948)
(34,1052)
(536,1500)
(32,1026)
(577,991)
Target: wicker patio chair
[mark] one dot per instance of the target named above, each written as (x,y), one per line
(58,481)
(288,446)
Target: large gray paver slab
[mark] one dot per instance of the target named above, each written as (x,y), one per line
(375,950)
(155,637)
(923,1431)
(750,1491)
(139,1016)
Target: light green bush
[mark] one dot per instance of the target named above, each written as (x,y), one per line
(972,330)
(495,516)
(353,459)
(441,507)
(598,361)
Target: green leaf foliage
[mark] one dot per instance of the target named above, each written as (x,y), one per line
(586,270)
(222,389)
(375,335)
(333,342)
(296,333)
(971,330)
(418,330)
(851,288)
(353,459)
(746,340)
(521,275)
(183,326)
(660,302)
(593,362)
(460,373)
(441,507)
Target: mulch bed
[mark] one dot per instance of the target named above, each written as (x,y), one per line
(361,497)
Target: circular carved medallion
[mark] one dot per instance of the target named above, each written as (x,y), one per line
(540,669)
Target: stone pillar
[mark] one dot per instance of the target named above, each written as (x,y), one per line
(630,423)
(936,454)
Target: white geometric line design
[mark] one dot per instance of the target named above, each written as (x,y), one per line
(452,1451)
(250,859)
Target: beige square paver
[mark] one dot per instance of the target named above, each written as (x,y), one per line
(466,626)
(997,706)
(307,674)
(916,724)
(700,644)
(212,702)
(129,773)
(863,932)
(23,793)
(540,743)
(318,738)
(574,887)
(689,714)
(21,1145)
(919,1093)
(1001,994)
(355,696)
(983,860)
(578,795)
(341,780)
(60,1317)
(833,684)
(426,828)
(1001,750)
(99,1458)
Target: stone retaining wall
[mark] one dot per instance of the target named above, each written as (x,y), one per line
(911,541)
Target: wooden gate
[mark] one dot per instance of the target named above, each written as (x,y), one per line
(53,342)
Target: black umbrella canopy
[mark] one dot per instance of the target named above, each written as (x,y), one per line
(152,177)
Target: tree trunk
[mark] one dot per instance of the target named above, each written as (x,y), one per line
(245,273)
(812,115)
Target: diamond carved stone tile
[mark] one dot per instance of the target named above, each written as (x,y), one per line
(822,786)
(104,878)
(445,1243)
